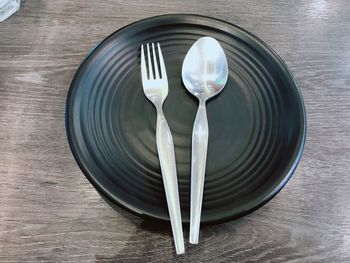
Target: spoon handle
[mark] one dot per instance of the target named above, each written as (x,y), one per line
(199,156)
(166,153)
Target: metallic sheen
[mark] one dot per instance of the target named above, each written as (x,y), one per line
(155,87)
(204,74)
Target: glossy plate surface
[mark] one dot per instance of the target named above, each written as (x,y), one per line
(257,123)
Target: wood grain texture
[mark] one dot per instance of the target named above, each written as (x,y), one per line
(50,212)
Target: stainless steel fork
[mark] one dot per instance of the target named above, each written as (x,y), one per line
(155,87)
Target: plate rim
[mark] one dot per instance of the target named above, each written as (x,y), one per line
(112,199)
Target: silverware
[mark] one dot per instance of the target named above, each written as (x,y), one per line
(204,74)
(155,87)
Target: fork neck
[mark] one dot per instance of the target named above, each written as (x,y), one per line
(159,108)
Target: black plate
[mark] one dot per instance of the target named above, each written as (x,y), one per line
(257,123)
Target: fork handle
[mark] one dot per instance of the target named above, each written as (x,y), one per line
(200,136)
(166,153)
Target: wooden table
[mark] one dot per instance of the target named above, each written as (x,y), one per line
(50,212)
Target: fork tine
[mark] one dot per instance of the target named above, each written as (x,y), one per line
(155,63)
(161,62)
(143,65)
(149,58)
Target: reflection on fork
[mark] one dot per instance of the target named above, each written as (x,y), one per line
(155,87)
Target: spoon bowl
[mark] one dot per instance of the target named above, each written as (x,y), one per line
(205,70)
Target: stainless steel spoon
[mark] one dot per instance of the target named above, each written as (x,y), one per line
(204,74)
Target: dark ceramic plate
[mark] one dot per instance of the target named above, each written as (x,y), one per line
(257,123)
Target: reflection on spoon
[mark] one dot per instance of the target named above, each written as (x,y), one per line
(204,74)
